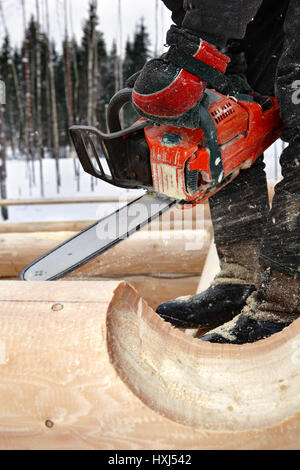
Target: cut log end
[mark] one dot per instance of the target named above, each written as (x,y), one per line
(206,386)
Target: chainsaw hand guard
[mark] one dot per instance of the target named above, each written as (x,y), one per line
(121,157)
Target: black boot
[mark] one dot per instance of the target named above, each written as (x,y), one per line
(273,307)
(227,295)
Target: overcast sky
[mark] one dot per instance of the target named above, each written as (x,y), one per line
(132,12)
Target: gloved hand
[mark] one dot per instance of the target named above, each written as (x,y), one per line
(170,88)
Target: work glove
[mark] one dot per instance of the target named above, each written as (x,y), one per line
(170,88)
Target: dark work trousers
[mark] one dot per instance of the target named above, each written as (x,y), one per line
(267,33)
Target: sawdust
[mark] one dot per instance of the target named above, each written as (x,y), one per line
(225,330)
(238,262)
(183,298)
(260,311)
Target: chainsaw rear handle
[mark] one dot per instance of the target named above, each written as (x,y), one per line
(113,111)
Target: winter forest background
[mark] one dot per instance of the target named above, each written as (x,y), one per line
(51,85)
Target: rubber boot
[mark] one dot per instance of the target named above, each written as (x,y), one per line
(227,295)
(274,306)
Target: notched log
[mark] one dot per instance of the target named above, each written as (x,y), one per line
(212,387)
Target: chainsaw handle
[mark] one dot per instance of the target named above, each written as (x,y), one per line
(113,111)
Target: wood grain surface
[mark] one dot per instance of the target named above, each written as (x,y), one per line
(86,365)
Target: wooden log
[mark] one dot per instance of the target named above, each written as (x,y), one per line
(154,290)
(143,253)
(151,253)
(206,386)
(56,226)
(76,373)
(78,225)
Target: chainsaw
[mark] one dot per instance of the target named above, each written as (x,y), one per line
(173,165)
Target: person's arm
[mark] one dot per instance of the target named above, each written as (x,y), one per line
(178,12)
(218,20)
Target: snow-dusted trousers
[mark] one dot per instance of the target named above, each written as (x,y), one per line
(268,33)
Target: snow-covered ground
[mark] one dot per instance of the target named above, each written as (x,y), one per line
(18,187)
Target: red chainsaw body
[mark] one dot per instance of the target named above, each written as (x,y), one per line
(244,132)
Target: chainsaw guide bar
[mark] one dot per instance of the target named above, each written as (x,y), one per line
(98,238)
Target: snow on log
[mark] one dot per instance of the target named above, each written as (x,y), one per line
(82,367)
